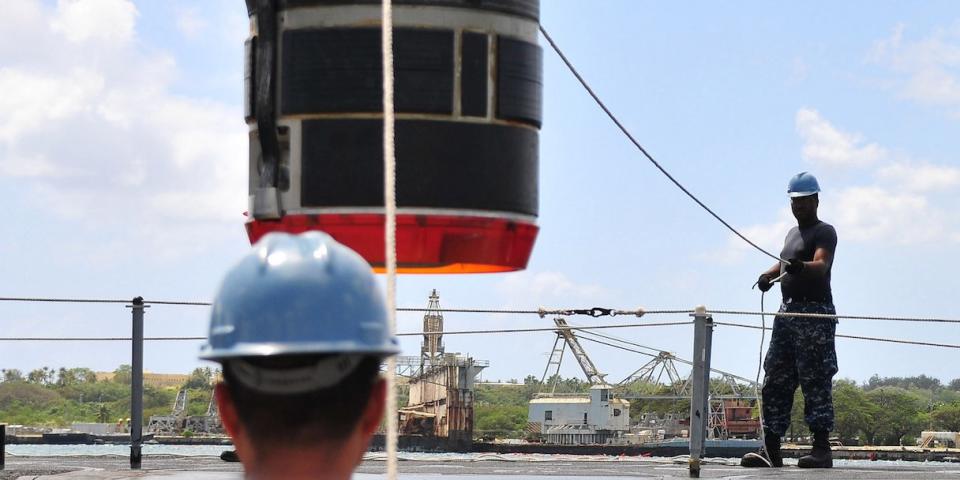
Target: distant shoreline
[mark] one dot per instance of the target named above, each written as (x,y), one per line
(78,438)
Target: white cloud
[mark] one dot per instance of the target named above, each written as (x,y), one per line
(18,17)
(100,20)
(27,167)
(101,138)
(190,23)
(933,86)
(928,69)
(871,214)
(878,215)
(32,99)
(920,177)
(896,209)
(549,289)
(827,146)
(799,71)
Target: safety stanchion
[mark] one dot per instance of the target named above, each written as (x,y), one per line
(136,384)
(700,379)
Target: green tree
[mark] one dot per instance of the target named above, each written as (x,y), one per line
(103,414)
(899,412)
(12,375)
(659,407)
(198,400)
(38,376)
(500,421)
(123,374)
(920,382)
(946,417)
(66,377)
(852,410)
(199,379)
(798,425)
(84,375)
(22,394)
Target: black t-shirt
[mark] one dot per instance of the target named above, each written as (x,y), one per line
(801,243)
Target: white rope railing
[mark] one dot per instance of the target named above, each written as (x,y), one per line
(403,334)
(878,318)
(542,311)
(854,337)
(499,331)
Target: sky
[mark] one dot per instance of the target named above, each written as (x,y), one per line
(123,163)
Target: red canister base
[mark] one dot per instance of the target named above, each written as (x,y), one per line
(425,243)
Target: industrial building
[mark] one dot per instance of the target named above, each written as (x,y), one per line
(577,419)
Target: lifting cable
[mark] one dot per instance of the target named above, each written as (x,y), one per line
(633,140)
(390,228)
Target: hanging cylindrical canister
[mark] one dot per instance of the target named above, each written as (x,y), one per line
(468,86)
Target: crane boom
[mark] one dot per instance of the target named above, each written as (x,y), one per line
(589,369)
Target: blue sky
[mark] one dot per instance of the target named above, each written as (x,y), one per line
(123,163)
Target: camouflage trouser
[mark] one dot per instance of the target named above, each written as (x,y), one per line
(801,352)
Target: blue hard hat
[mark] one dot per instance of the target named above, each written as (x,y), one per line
(299,294)
(803,184)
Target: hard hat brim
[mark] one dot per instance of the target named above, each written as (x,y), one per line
(801,194)
(247,350)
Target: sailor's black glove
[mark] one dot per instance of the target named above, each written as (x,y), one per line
(764,283)
(794,266)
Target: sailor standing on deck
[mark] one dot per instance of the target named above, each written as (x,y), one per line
(801,349)
(300,328)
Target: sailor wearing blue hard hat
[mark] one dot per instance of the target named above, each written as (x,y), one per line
(801,349)
(300,327)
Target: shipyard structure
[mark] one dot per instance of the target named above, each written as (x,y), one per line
(439,409)
(602,416)
(441,388)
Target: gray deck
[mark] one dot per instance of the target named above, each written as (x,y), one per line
(170,467)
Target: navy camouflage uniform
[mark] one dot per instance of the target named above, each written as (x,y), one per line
(802,349)
(801,353)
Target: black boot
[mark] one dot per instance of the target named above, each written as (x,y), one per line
(820,456)
(229,456)
(768,456)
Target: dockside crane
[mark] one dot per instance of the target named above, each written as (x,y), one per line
(661,367)
(565,333)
